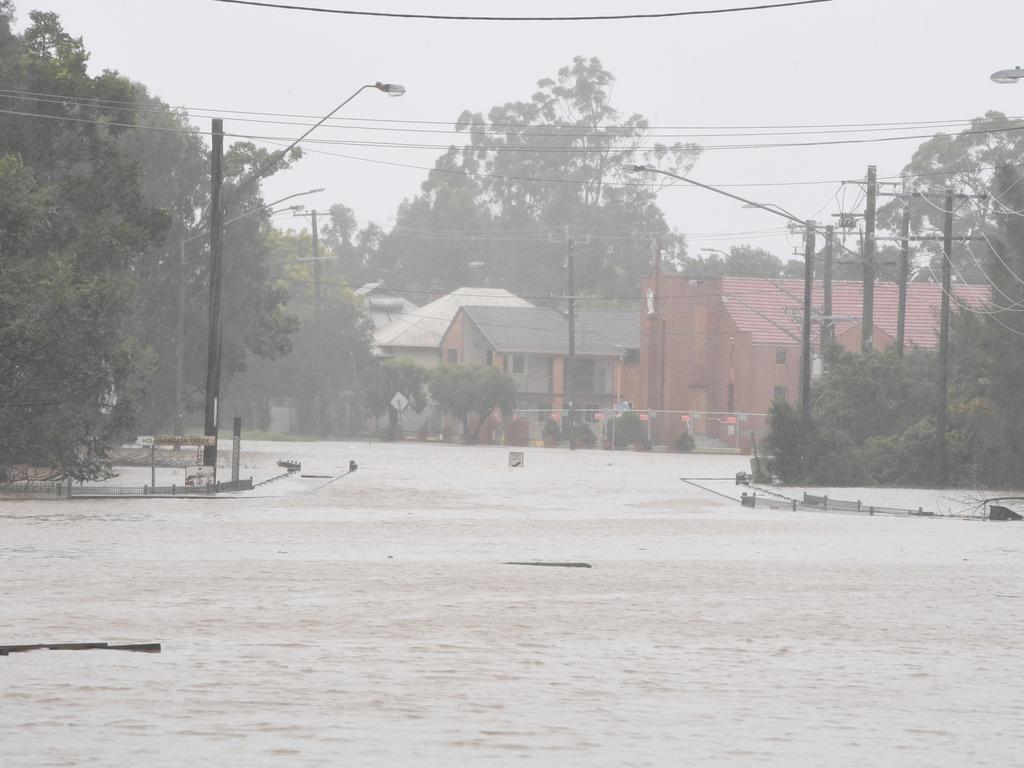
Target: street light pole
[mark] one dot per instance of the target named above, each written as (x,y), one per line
(216,245)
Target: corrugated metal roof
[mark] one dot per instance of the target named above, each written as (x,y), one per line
(542,330)
(772,310)
(425,326)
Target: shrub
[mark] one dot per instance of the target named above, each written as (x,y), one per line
(684,443)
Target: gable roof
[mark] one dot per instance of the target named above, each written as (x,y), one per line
(772,310)
(545,331)
(425,326)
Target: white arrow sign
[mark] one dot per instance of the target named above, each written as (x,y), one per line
(399,402)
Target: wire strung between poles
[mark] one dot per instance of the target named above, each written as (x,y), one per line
(352,467)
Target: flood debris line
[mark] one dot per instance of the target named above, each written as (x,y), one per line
(550,565)
(6,650)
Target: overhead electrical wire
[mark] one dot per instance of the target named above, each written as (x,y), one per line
(550,131)
(453,17)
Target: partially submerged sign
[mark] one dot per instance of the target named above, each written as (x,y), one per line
(199,475)
(185,440)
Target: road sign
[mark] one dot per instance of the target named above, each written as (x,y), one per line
(515,459)
(185,440)
(399,402)
(144,440)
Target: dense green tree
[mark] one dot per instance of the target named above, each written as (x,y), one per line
(465,390)
(969,162)
(497,209)
(74,222)
(378,384)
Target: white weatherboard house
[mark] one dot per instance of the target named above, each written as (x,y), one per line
(417,335)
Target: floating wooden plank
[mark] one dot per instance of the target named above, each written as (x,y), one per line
(553,565)
(137,647)
(99,646)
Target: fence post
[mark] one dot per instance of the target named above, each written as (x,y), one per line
(794,505)
(70,486)
(174,489)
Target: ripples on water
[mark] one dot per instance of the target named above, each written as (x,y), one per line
(374,624)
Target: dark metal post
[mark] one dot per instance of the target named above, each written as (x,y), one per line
(216,266)
(868,315)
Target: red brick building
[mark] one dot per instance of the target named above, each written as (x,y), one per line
(732,345)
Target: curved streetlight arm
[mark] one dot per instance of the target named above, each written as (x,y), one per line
(745,201)
(250,212)
(391,89)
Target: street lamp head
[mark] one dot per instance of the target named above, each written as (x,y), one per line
(391,89)
(1008,76)
(633,168)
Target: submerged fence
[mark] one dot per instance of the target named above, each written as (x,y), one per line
(766,498)
(68,490)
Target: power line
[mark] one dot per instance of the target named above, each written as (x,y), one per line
(196,131)
(895,125)
(549,130)
(435,17)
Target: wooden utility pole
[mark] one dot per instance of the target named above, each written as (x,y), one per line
(805,355)
(216,267)
(942,468)
(868,314)
(904,276)
(827,324)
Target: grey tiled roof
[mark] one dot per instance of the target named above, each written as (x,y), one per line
(542,330)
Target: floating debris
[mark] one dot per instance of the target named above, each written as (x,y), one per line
(137,647)
(552,565)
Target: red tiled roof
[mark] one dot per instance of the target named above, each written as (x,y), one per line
(772,310)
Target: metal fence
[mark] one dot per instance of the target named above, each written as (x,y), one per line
(768,499)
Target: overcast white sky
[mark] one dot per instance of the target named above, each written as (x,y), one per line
(846,61)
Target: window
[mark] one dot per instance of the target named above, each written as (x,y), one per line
(780,356)
(780,393)
(453,356)
(632,356)
(518,364)
(490,357)
(583,376)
